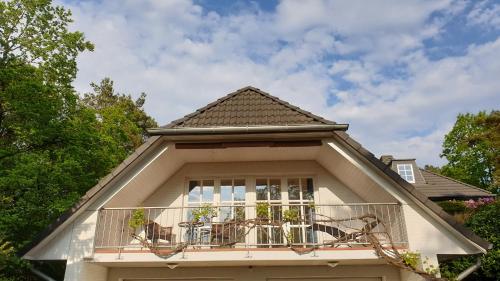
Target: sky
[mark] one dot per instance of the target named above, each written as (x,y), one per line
(398,72)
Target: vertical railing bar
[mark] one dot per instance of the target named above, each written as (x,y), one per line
(146,229)
(97,225)
(121,235)
(128,228)
(103,243)
(111,226)
(390,223)
(362,214)
(117,228)
(403,225)
(356,213)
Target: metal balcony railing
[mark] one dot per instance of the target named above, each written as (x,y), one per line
(251,226)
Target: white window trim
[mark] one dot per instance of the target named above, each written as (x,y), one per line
(411,169)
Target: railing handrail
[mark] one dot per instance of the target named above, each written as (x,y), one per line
(255,205)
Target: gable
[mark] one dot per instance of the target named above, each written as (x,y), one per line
(255,114)
(248,107)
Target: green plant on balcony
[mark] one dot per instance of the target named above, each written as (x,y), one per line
(262,210)
(137,219)
(291,215)
(204,213)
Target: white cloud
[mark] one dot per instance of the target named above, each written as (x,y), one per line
(485,15)
(184,57)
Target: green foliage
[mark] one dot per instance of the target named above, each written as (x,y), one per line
(453,206)
(137,219)
(411,259)
(122,121)
(433,169)
(204,213)
(36,33)
(484,222)
(53,146)
(429,268)
(262,210)
(472,149)
(291,215)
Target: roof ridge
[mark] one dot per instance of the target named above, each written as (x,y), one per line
(292,107)
(219,101)
(452,179)
(206,107)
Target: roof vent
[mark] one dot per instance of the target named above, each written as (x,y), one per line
(386,159)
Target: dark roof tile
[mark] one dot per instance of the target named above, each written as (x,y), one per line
(437,186)
(248,107)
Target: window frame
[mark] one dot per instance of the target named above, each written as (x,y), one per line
(405,176)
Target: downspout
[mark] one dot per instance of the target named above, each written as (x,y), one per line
(469,270)
(41,274)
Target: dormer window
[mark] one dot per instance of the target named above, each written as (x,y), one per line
(406,172)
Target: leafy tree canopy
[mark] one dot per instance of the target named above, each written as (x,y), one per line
(36,32)
(54,145)
(484,223)
(472,149)
(122,121)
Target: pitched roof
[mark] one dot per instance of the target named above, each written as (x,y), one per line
(248,106)
(435,186)
(440,187)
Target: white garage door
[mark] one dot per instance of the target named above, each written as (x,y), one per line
(328,279)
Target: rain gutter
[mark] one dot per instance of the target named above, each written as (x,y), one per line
(247,130)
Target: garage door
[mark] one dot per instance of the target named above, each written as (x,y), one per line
(184,279)
(328,279)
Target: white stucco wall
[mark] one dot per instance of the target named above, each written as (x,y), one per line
(338,178)
(324,273)
(328,189)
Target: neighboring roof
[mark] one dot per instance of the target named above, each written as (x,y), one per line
(394,176)
(248,106)
(436,186)
(440,187)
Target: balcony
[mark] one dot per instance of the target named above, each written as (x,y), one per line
(302,227)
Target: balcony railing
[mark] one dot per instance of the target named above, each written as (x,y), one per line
(251,226)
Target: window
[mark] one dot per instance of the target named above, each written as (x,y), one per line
(406,172)
(300,195)
(268,190)
(201,191)
(232,198)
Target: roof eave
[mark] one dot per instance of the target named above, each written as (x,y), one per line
(249,130)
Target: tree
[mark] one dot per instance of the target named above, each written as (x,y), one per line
(433,169)
(53,146)
(472,149)
(122,121)
(36,32)
(35,42)
(484,223)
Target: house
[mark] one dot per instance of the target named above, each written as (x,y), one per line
(436,187)
(251,187)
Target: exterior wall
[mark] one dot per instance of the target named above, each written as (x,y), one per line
(324,273)
(81,247)
(429,238)
(328,189)
(339,177)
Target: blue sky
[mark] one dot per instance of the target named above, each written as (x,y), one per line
(397,71)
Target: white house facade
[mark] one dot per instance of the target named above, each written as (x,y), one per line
(251,188)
